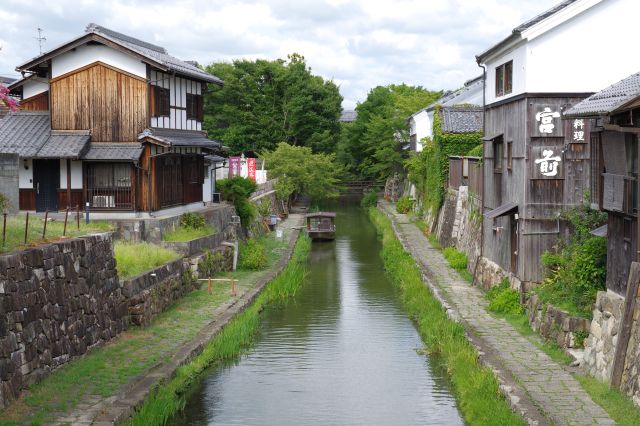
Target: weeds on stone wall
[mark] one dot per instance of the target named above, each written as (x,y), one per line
(475,386)
(234,339)
(577,268)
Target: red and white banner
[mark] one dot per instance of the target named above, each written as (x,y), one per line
(251,168)
(234,166)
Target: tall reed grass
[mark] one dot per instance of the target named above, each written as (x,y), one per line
(475,386)
(235,337)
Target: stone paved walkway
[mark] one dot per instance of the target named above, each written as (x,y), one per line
(548,385)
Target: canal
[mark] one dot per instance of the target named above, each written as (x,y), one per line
(342,352)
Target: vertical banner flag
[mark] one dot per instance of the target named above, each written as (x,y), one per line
(251,167)
(234,166)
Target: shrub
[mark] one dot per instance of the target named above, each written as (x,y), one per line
(505,300)
(476,151)
(404,205)
(193,221)
(456,259)
(253,255)
(238,190)
(370,199)
(264,208)
(4,202)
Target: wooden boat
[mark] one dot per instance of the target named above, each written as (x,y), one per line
(321,226)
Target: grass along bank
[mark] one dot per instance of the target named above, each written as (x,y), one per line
(55,228)
(105,370)
(475,386)
(135,258)
(235,338)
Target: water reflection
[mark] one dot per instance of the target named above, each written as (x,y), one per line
(343,352)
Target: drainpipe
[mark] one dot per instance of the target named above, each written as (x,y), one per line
(234,245)
(484,114)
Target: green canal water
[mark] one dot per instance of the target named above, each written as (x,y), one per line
(342,352)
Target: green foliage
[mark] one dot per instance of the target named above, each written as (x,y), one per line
(134,259)
(579,337)
(264,208)
(477,151)
(253,255)
(456,259)
(301,171)
(187,234)
(474,385)
(504,300)
(577,269)
(193,221)
(236,337)
(4,203)
(404,205)
(370,199)
(265,102)
(238,190)
(210,263)
(372,146)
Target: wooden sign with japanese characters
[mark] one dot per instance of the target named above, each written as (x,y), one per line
(546,120)
(577,131)
(547,162)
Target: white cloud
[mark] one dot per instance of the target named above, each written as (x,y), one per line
(357,43)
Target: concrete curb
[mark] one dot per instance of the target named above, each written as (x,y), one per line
(516,396)
(120,407)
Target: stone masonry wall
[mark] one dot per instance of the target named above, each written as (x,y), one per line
(553,323)
(600,346)
(56,302)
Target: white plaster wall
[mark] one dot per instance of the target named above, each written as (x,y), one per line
(25,177)
(34,87)
(519,57)
(88,54)
(420,125)
(178,89)
(76,174)
(206,187)
(587,53)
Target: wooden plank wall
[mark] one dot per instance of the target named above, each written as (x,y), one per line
(77,199)
(38,102)
(27,199)
(508,186)
(109,102)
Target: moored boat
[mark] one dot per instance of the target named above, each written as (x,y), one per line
(321,226)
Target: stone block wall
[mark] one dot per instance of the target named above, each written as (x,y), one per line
(152,292)
(600,346)
(57,301)
(553,323)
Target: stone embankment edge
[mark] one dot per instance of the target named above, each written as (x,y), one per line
(124,404)
(516,396)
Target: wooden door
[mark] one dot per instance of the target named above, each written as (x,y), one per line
(46,181)
(513,226)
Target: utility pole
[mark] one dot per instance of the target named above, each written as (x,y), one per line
(40,39)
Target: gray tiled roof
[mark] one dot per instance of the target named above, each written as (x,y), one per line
(64,145)
(180,138)
(461,119)
(608,100)
(153,52)
(24,133)
(348,116)
(28,134)
(121,151)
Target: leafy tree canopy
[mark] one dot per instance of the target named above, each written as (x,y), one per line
(300,171)
(372,146)
(264,102)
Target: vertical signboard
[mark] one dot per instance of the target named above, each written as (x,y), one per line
(251,167)
(234,166)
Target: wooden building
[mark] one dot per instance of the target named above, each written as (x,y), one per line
(615,114)
(112,121)
(535,164)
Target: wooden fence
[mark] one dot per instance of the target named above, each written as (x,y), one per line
(466,171)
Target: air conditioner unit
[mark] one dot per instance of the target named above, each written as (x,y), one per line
(104,201)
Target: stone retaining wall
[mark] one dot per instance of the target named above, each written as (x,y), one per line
(56,302)
(600,346)
(556,324)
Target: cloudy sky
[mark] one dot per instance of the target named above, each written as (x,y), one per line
(358,43)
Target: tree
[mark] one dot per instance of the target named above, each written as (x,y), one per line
(372,146)
(7,100)
(264,102)
(300,171)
